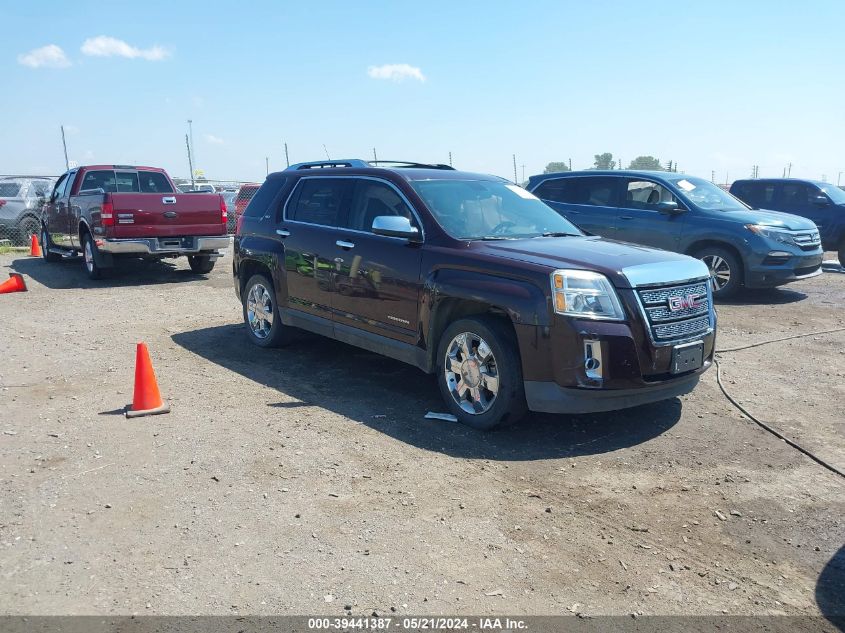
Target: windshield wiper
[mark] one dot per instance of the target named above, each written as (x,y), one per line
(559,234)
(492,237)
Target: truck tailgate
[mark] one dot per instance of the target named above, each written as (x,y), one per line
(166,215)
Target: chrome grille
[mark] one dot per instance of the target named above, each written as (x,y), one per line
(667,325)
(808,240)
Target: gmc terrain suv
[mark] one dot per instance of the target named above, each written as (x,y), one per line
(476,280)
(740,245)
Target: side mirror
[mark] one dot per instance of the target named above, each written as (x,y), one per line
(395,226)
(669,208)
(821,200)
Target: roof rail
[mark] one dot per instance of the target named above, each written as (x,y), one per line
(324,164)
(408,165)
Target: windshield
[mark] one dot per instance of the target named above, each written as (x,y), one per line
(483,209)
(705,195)
(834,193)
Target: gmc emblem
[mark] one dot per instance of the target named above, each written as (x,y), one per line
(684,303)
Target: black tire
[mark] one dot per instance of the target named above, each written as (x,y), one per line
(721,261)
(842,253)
(28,227)
(202,264)
(46,244)
(277,334)
(89,258)
(508,404)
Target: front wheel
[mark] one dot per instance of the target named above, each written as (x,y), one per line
(725,270)
(45,247)
(202,264)
(480,373)
(261,314)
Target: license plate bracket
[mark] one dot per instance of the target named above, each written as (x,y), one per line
(687,357)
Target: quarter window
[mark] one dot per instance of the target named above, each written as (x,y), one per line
(372,199)
(320,201)
(643,194)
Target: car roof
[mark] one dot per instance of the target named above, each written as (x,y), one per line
(818,183)
(407,173)
(645,173)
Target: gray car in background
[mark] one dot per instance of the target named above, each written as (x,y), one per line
(21,199)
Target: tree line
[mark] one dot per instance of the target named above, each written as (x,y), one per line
(606,161)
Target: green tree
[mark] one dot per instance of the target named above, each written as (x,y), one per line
(604,161)
(646,162)
(556,166)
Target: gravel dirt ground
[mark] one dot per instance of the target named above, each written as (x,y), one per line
(306,480)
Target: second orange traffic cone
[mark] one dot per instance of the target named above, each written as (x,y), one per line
(14,283)
(146,399)
(34,248)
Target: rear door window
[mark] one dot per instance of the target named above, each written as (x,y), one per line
(127,181)
(597,191)
(154,182)
(320,201)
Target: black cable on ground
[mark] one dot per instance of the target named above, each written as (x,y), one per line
(763,425)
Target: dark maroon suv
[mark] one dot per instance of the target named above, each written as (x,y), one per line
(475,280)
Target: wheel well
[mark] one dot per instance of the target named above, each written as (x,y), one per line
(451,310)
(697,246)
(250,267)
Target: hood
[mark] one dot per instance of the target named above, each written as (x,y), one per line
(775,219)
(615,260)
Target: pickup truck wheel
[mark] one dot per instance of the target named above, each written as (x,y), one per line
(201,263)
(725,270)
(88,248)
(46,244)
(842,253)
(261,315)
(480,373)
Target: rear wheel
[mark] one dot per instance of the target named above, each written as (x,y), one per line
(480,373)
(201,263)
(46,245)
(261,314)
(88,257)
(842,253)
(725,270)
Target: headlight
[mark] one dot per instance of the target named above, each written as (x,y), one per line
(777,235)
(585,294)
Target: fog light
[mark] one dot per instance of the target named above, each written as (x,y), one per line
(593,360)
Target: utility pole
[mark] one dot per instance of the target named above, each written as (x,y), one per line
(789,171)
(450,159)
(64,144)
(326,151)
(570,164)
(713,176)
(191,146)
(287,158)
(190,162)
(375,156)
(267,164)
(838,178)
(515,179)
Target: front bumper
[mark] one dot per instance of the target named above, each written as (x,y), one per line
(761,275)
(549,397)
(164,245)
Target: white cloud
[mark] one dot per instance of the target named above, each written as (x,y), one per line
(214,140)
(395,72)
(50,56)
(105,46)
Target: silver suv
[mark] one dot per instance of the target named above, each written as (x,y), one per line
(21,199)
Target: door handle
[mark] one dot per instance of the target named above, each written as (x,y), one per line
(345,244)
(626,217)
(283,232)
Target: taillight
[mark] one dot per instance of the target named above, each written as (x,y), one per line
(2,202)
(107,213)
(224,214)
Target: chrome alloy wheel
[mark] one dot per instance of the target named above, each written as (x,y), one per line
(89,256)
(259,311)
(471,373)
(720,270)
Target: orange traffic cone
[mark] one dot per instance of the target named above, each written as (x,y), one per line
(34,248)
(14,283)
(146,400)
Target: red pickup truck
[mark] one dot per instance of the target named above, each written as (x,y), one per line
(108,211)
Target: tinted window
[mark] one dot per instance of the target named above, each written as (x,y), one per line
(556,190)
(154,182)
(99,180)
(9,189)
(127,181)
(320,201)
(643,194)
(796,195)
(595,191)
(372,199)
(261,201)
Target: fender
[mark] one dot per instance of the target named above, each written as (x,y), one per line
(522,300)
(103,260)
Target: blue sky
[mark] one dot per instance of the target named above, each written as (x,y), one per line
(715,86)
